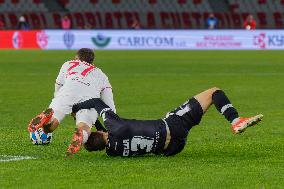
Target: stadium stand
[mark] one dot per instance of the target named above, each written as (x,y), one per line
(157,14)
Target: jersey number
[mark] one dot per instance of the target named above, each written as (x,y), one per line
(83,73)
(140,142)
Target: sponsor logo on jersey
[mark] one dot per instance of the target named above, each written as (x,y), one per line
(17,40)
(42,39)
(101,41)
(69,39)
(126,147)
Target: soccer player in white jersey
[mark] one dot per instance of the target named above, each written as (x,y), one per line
(77,81)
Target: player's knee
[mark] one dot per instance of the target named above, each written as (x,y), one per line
(213,89)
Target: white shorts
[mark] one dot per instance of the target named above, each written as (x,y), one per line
(62,106)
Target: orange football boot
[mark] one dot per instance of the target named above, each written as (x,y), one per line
(76,143)
(244,123)
(40,120)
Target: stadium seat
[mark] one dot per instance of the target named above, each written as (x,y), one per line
(278,19)
(261,2)
(181,2)
(262,20)
(64,2)
(79,20)
(43,20)
(177,13)
(13,20)
(35,21)
(197,1)
(56,20)
(36,1)
(90,19)
(234,7)
(2,18)
(94,1)
(14,1)
(115,1)
(152,2)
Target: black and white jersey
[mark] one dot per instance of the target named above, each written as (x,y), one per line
(129,137)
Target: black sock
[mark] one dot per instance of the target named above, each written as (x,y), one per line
(224,106)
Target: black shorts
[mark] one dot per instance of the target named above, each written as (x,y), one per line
(180,121)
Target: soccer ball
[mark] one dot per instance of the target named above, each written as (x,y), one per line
(39,137)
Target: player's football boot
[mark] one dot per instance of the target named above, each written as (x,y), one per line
(40,120)
(76,143)
(244,123)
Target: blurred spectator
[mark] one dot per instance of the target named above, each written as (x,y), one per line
(211,22)
(250,23)
(22,23)
(2,24)
(65,23)
(136,25)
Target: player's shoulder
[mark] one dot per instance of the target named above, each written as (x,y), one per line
(99,71)
(66,63)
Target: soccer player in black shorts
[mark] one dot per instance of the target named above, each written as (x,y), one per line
(130,137)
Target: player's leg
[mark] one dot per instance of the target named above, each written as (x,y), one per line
(80,137)
(84,121)
(205,98)
(49,120)
(40,120)
(225,107)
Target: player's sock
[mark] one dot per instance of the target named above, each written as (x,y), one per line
(85,136)
(224,106)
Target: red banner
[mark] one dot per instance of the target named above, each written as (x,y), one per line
(13,39)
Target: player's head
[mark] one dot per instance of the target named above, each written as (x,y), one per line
(86,55)
(96,141)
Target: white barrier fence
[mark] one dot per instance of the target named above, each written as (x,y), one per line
(144,39)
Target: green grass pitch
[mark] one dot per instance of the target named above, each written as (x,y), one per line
(147,84)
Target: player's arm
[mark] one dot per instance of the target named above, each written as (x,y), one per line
(57,87)
(107,98)
(60,80)
(96,103)
(107,94)
(99,126)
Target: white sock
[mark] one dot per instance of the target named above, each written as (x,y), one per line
(85,136)
(235,120)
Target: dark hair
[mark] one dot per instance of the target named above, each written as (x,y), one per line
(95,142)
(86,55)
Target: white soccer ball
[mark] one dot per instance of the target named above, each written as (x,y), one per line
(39,137)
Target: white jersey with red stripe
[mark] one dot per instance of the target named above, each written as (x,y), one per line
(78,81)
(79,78)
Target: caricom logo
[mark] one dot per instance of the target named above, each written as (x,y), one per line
(69,39)
(259,40)
(42,39)
(101,41)
(17,40)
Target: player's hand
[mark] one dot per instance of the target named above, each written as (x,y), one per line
(76,143)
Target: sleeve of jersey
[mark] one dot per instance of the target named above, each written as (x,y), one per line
(60,80)
(107,97)
(99,126)
(96,103)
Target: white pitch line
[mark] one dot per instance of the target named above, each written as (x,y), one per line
(8,158)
